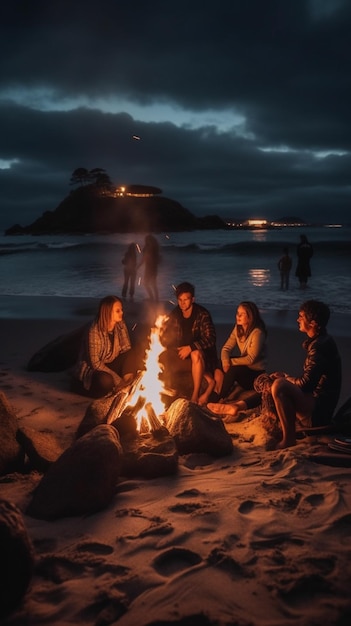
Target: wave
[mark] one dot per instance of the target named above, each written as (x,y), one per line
(241,248)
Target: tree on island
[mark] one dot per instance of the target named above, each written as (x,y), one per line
(96,177)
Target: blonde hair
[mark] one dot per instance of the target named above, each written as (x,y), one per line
(103,317)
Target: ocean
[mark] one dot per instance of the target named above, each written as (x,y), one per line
(225,266)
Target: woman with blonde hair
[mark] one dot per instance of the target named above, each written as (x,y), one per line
(107,361)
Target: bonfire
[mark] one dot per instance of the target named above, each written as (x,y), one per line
(147,391)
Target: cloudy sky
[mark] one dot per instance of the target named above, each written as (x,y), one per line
(242,106)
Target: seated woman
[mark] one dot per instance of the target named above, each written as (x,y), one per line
(107,361)
(249,337)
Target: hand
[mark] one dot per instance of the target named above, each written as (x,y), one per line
(226,367)
(183,352)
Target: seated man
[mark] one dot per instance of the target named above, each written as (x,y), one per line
(312,397)
(189,337)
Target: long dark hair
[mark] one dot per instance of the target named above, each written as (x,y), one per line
(255,319)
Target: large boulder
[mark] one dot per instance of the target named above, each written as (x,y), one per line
(83,480)
(42,449)
(16,558)
(11,452)
(196,430)
(59,354)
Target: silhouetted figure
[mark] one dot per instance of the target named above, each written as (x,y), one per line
(129,262)
(284,265)
(304,255)
(151,259)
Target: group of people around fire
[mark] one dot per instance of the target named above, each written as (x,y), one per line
(225,385)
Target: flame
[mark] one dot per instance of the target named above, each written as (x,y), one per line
(150,386)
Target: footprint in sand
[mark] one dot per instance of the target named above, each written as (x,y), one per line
(95,547)
(246,507)
(189,507)
(189,493)
(175,560)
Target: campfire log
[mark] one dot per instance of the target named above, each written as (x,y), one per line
(153,419)
(126,422)
(156,427)
(121,399)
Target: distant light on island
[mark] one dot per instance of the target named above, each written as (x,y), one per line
(261,224)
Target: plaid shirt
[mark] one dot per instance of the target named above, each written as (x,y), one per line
(203,332)
(98,349)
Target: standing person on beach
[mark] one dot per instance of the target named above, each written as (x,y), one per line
(129,263)
(312,397)
(189,338)
(107,361)
(284,266)
(151,259)
(304,255)
(249,338)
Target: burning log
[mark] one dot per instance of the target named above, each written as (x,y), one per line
(122,397)
(152,417)
(155,425)
(126,422)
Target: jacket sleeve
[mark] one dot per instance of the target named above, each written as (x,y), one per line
(314,367)
(97,350)
(205,337)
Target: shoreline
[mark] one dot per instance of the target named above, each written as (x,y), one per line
(76,307)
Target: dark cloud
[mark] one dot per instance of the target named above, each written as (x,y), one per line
(283,66)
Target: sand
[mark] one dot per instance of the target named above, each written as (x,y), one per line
(259,537)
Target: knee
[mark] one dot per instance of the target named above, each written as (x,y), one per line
(278,388)
(196,357)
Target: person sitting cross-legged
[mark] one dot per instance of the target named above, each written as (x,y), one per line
(249,339)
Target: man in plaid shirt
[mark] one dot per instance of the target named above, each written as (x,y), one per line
(189,337)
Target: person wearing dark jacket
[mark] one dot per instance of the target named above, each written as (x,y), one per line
(189,338)
(312,397)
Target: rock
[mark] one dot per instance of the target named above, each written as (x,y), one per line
(59,354)
(11,453)
(110,410)
(96,413)
(83,479)
(17,558)
(195,430)
(42,449)
(149,455)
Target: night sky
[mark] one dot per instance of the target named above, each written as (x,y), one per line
(242,106)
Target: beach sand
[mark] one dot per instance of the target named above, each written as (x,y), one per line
(259,537)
